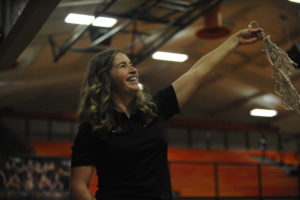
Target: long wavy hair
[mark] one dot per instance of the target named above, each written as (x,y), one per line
(96,105)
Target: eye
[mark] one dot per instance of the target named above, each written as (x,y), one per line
(122,66)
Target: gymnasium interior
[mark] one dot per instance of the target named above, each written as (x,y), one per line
(218,149)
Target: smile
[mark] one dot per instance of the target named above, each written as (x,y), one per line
(132,79)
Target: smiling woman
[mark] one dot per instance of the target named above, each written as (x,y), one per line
(124,81)
(122,130)
(111,79)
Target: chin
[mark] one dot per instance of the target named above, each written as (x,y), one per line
(136,90)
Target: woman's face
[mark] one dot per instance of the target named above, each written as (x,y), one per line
(124,76)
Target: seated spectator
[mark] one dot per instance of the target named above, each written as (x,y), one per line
(44,183)
(14,182)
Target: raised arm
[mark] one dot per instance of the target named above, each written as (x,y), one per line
(187,84)
(80,180)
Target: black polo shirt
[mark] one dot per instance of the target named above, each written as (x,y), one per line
(131,164)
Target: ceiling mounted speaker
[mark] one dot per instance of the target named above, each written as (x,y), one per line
(213,25)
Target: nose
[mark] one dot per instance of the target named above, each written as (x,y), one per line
(133,70)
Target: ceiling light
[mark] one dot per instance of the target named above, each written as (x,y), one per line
(104,22)
(295,1)
(73,18)
(263,112)
(168,56)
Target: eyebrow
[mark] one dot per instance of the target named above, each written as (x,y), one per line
(123,62)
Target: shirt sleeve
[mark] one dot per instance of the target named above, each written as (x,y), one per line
(81,149)
(167,103)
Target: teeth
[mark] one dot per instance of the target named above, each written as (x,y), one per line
(132,79)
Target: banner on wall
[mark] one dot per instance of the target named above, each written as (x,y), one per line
(32,177)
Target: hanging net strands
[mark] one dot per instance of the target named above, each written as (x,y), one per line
(283,67)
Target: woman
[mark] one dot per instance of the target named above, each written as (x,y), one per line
(122,130)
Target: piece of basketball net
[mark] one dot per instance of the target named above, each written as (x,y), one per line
(282,69)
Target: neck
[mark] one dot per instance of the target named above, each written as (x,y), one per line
(122,103)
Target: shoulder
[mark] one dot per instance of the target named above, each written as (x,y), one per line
(163,94)
(85,125)
(166,102)
(82,149)
(84,133)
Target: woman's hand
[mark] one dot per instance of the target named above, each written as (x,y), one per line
(249,35)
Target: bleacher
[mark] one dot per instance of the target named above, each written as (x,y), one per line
(203,164)
(205,173)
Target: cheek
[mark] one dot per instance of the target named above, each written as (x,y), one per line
(118,80)
(115,83)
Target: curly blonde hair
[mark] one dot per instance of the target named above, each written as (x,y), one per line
(96,105)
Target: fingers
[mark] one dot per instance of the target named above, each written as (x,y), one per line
(249,40)
(257,32)
(251,35)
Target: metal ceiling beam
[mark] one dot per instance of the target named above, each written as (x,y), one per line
(23,19)
(180,3)
(57,53)
(79,3)
(176,16)
(176,25)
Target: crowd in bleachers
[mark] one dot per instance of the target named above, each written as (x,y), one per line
(19,174)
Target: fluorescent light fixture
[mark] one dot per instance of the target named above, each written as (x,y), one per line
(295,1)
(168,56)
(106,22)
(73,18)
(263,112)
